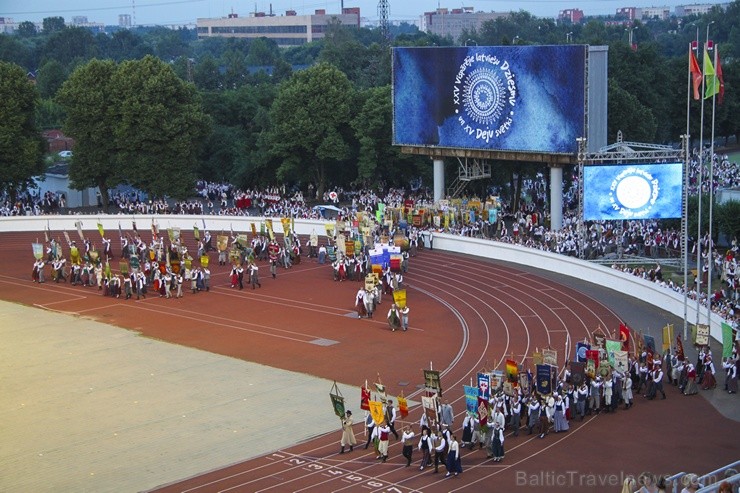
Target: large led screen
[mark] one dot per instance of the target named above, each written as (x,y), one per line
(511,98)
(632,191)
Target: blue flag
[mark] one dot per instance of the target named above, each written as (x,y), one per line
(471,399)
(581,349)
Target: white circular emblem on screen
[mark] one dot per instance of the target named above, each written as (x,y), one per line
(633,192)
(484,96)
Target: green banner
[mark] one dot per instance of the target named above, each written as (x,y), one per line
(726,340)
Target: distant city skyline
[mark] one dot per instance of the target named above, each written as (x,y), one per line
(179,12)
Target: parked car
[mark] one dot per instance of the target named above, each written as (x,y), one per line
(65,154)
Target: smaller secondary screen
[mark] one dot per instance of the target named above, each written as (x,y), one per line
(632,191)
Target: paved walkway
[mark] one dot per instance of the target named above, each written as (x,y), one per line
(85,406)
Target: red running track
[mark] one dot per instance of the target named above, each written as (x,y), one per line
(466,314)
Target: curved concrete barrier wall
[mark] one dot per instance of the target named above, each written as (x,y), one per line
(607,277)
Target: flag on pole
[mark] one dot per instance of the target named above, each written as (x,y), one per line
(100,229)
(365,398)
(720,79)
(471,399)
(727,340)
(696,74)
(711,84)
(403,406)
(624,336)
(512,371)
(679,348)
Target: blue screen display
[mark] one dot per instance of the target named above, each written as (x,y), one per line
(632,191)
(512,98)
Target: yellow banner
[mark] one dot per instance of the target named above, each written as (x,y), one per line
(204,260)
(286,225)
(222,243)
(376,411)
(329,229)
(399,296)
(667,336)
(254,229)
(101,230)
(268,224)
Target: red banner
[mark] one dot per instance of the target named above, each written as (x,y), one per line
(365,399)
(593,355)
(512,371)
(624,336)
(679,348)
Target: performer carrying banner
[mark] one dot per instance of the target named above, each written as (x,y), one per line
(348,435)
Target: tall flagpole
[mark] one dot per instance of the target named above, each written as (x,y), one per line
(685,218)
(699,181)
(711,192)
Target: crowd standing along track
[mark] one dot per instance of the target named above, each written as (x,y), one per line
(466,314)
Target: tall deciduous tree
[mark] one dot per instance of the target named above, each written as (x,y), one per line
(21,147)
(87,99)
(159,125)
(311,132)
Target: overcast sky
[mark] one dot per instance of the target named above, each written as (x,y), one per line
(187,11)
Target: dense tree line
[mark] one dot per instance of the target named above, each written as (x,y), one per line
(262,127)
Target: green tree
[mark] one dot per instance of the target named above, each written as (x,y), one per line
(378,160)
(728,219)
(21,147)
(311,132)
(69,45)
(53,24)
(262,52)
(26,29)
(50,114)
(206,75)
(628,114)
(50,78)
(159,126)
(87,98)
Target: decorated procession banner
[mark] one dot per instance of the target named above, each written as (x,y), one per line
(483,411)
(624,336)
(337,403)
(123,267)
(222,243)
(134,262)
(38,250)
(543,380)
(403,406)
(702,335)
(497,380)
(329,229)
(78,226)
(524,381)
(376,411)
(599,338)
(369,282)
(604,370)
(611,347)
(667,337)
(341,245)
(365,398)
(399,297)
(577,372)
(196,233)
(431,381)
(204,261)
(471,399)
(512,371)
(242,240)
(100,229)
(268,225)
(285,221)
(679,348)
(649,343)
(591,368)
(484,385)
(550,357)
(429,403)
(581,348)
(621,361)
(727,340)
(537,358)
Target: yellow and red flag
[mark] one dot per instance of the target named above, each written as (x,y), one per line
(403,406)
